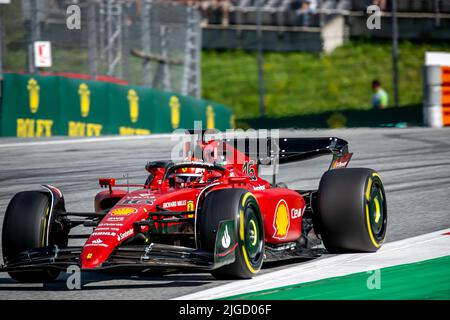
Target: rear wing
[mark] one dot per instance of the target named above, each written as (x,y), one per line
(270,150)
(287,150)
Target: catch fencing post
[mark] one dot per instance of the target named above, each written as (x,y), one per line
(395,53)
(92,40)
(260,61)
(34,31)
(146,40)
(125,42)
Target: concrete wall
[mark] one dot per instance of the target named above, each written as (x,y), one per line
(220,38)
(409,28)
(321,39)
(282,39)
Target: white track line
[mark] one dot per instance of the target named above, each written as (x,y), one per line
(424,247)
(85,140)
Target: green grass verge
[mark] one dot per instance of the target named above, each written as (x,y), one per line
(428,279)
(305,83)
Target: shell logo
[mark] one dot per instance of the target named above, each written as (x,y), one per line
(190,206)
(210,117)
(133,100)
(123,211)
(33,93)
(281,220)
(174,105)
(85,102)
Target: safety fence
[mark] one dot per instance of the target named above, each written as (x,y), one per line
(143,42)
(44,106)
(403,116)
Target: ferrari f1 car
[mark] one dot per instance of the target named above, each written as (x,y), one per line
(208,212)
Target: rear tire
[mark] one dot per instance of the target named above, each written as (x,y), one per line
(352,210)
(24,228)
(241,206)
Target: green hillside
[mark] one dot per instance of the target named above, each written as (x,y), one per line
(304,83)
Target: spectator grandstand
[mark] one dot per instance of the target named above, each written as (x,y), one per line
(282,12)
(234,21)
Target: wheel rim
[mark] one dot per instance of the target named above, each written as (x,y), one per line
(377,211)
(253,236)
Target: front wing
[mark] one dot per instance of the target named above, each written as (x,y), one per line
(134,257)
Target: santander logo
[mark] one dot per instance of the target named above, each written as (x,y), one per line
(124,235)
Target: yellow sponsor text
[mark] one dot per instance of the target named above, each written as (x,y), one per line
(81,129)
(30,128)
(125,131)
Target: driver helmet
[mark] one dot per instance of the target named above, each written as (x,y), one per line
(188,175)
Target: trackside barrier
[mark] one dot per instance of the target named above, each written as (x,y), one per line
(44,106)
(390,117)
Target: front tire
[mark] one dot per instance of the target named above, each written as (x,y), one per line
(241,206)
(25,228)
(352,210)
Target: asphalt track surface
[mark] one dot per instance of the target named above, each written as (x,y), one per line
(414,164)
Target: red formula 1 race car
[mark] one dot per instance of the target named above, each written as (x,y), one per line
(212,213)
